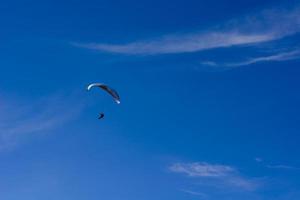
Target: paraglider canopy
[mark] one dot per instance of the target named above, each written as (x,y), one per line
(109,90)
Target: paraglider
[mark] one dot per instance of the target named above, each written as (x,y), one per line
(101,116)
(109,90)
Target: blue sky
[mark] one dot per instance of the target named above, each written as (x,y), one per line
(209,90)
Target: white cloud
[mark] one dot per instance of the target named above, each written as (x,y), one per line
(183,43)
(283,56)
(266,26)
(202,169)
(241,182)
(20,119)
(287,167)
(221,175)
(277,166)
(200,194)
(258,159)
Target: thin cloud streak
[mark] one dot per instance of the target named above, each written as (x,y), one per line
(292,55)
(200,194)
(182,44)
(283,56)
(286,167)
(39,117)
(220,175)
(276,166)
(202,169)
(258,159)
(269,25)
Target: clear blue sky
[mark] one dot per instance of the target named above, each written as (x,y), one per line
(209,90)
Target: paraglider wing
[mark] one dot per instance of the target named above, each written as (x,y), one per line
(109,90)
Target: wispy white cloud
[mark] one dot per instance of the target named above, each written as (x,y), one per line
(19,120)
(202,169)
(258,159)
(183,43)
(222,175)
(269,25)
(276,166)
(200,194)
(283,56)
(287,167)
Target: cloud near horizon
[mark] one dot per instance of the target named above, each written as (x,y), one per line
(269,25)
